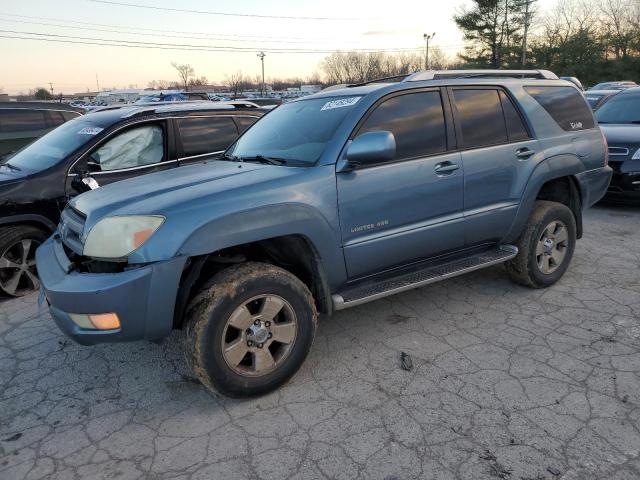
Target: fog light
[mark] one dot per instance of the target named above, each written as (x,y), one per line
(101,321)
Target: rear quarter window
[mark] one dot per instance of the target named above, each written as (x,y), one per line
(566,106)
(22,120)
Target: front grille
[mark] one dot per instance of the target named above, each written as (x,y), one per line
(71,228)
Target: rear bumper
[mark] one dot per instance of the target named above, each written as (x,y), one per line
(143,298)
(593,184)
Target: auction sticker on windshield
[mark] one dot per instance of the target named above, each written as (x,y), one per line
(343,102)
(90,131)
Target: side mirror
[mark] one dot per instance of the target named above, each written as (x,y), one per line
(371,148)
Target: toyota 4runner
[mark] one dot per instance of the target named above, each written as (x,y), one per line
(328,202)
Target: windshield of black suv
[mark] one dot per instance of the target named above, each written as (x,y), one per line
(295,133)
(623,108)
(55,145)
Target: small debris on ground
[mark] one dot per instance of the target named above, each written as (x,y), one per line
(553,471)
(405,361)
(13,437)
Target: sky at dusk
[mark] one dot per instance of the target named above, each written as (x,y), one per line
(317,26)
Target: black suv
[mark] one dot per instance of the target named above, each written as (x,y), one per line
(94,150)
(23,122)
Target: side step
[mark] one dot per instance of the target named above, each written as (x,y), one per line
(371,289)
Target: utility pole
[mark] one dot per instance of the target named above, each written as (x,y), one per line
(97,84)
(261,56)
(527,20)
(51,86)
(427,37)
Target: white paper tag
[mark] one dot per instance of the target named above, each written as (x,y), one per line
(90,131)
(342,102)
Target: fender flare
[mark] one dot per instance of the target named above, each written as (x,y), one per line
(559,166)
(268,222)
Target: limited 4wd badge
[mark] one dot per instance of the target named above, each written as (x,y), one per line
(343,102)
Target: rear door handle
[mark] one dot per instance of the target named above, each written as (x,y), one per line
(445,168)
(524,153)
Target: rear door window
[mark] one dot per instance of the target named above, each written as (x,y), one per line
(416,120)
(201,135)
(480,117)
(515,126)
(566,106)
(18,120)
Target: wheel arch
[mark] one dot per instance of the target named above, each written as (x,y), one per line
(28,219)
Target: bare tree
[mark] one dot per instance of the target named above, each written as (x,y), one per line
(185,71)
(198,82)
(236,82)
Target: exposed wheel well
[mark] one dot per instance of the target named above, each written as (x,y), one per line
(566,191)
(294,253)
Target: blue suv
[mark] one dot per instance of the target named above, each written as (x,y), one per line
(328,202)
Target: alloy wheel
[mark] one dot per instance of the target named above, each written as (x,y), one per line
(18,275)
(551,248)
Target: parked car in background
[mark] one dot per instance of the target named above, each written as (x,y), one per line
(597,98)
(614,85)
(330,201)
(263,102)
(573,80)
(23,122)
(94,150)
(171,97)
(619,120)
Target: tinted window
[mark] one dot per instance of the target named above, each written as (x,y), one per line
(245,122)
(133,148)
(297,131)
(56,118)
(206,134)
(416,120)
(16,120)
(566,105)
(515,127)
(623,108)
(481,118)
(69,115)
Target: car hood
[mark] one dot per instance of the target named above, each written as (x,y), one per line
(176,189)
(8,175)
(617,134)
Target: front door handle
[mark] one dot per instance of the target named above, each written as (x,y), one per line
(446,168)
(524,153)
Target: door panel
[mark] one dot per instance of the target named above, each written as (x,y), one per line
(395,214)
(496,148)
(410,209)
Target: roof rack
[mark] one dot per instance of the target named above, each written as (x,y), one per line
(396,78)
(442,74)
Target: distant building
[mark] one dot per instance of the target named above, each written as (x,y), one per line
(309,89)
(4,97)
(127,95)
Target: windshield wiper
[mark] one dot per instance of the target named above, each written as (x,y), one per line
(263,159)
(12,167)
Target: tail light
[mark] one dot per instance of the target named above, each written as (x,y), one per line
(606,149)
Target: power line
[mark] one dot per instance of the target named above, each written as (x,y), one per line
(67,21)
(163,34)
(171,46)
(226,14)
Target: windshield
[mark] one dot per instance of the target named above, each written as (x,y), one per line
(296,132)
(55,145)
(623,108)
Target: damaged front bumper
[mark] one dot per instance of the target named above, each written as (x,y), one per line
(143,298)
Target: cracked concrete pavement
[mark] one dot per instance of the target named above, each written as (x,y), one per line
(507,383)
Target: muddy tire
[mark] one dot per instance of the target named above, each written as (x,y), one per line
(545,247)
(18,275)
(249,329)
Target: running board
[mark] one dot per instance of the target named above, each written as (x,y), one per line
(370,290)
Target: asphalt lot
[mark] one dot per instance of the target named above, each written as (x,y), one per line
(507,383)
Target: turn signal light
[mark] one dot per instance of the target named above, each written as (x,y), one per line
(100,321)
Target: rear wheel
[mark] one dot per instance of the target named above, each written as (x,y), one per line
(249,329)
(18,274)
(545,247)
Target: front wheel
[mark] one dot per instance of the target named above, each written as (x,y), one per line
(249,329)
(546,246)
(18,274)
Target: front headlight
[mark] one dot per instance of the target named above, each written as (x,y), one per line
(117,237)
(636,156)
